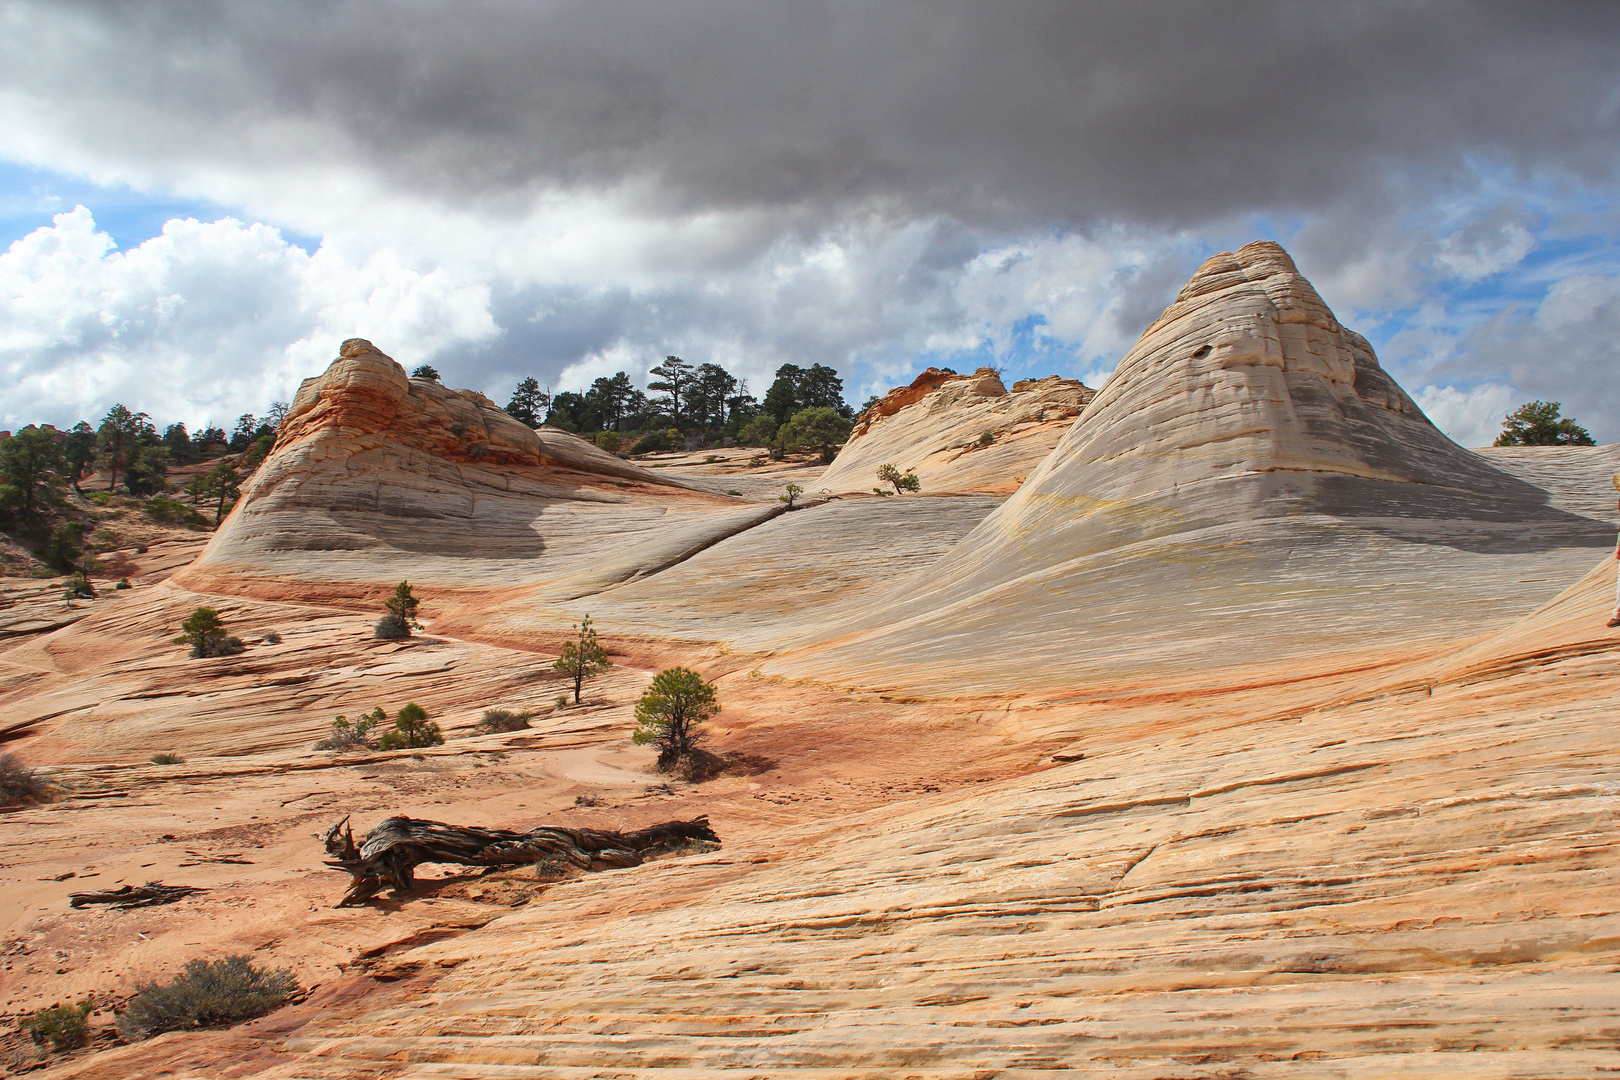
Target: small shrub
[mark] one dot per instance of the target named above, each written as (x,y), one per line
(789,493)
(123,583)
(21,784)
(391,628)
(140,549)
(79,588)
(356,735)
(732,491)
(401,616)
(412,729)
(609,441)
(587,800)
(562,701)
(902,482)
(272,638)
(206,994)
(205,632)
(712,458)
(100,498)
(170,512)
(987,438)
(882,491)
(166,758)
(62,1026)
(503,720)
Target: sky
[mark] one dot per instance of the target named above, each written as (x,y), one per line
(199,201)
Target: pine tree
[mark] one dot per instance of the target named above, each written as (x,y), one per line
(581,659)
(671,714)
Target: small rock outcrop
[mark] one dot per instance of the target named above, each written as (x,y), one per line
(959,432)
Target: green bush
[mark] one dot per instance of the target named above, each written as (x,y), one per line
(62,550)
(356,735)
(123,583)
(503,720)
(100,498)
(272,638)
(609,441)
(401,614)
(902,482)
(205,633)
(412,729)
(171,512)
(62,1026)
(21,784)
(166,758)
(391,627)
(207,993)
(79,588)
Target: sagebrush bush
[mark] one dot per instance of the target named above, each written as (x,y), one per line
(272,638)
(21,784)
(206,994)
(167,758)
(503,720)
(62,1026)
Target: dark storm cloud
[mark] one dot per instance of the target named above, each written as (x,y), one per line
(1165,113)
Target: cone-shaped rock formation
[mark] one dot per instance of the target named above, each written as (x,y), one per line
(1249,485)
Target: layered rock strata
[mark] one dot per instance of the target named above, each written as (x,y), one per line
(958,432)
(1249,486)
(377,477)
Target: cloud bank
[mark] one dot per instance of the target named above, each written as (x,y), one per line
(567,189)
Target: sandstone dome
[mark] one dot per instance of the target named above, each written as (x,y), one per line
(388,477)
(1249,462)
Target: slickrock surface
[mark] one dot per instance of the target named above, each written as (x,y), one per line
(935,428)
(388,478)
(1249,486)
(1415,880)
(1262,733)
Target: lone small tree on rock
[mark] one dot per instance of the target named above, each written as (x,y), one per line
(789,493)
(426,371)
(1538,423)
(205,632)
(583,658)
(671,714)
(891,475)
(401,615)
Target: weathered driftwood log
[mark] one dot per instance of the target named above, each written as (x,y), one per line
(151,894)
(389,853)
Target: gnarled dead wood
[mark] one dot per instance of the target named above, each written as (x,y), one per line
(151,894)
(389,853)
